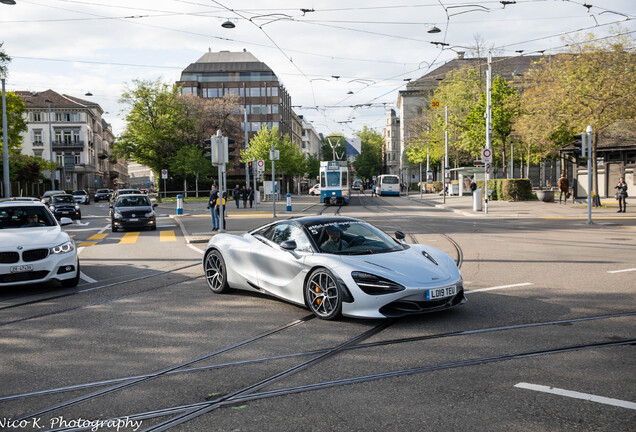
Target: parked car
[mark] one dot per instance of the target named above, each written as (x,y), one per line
(64,205)
(81,197)
(34,248)
(102,194)
(46,198)
(315,190)
(133,211)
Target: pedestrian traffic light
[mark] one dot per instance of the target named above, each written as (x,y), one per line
(250,167)
(207,149)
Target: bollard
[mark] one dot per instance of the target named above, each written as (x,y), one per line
(289,202)
(179,204)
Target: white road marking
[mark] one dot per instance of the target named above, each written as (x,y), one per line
(194,248)
(621,271)
(578,395)
(86,278)
(498,287)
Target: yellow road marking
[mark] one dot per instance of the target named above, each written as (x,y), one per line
(129,237)
(97,237)
(87,244)
(166,236)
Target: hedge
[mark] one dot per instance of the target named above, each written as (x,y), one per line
(508,189)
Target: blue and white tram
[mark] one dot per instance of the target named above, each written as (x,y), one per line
(388,184)
(334,183)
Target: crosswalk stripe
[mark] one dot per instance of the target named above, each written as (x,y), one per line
(167,236)
(97,237)
(87,244)
(129,237)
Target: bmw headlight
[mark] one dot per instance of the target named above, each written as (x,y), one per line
(116,215)
(63,248)
(375,285)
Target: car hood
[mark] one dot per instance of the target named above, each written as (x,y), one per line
(29,237)
(406,267)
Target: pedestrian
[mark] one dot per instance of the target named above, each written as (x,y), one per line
(473,185)
(236,194)
(621,194)
(221,204)
(214,194)
(250,195)
(244,196)
(564,188)
(373,190)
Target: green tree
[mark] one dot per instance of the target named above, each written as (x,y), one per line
(504,108)
(190,161)
(593,83)
(4,61)
(369,162)
(313,166)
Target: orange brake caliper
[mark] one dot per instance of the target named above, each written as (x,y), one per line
(318,300)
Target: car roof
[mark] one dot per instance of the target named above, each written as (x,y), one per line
(54,192)
(134,195)
(30,202)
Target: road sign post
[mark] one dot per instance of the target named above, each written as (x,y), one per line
(164,176)
(486,158)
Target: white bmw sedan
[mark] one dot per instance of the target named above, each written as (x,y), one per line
(33,246)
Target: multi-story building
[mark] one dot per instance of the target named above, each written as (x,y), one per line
(260,92)
(391,150)
(71,132)
(140,176)
(419,93)
(311,140)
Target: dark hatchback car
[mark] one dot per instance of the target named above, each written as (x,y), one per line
(64,205)
(133,211)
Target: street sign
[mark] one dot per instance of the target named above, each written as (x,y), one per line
(487,168)
(95,181)
(434,103)
(446,174)
(486,155)
(164,174)
(274,155)
(478,163)
(260,165)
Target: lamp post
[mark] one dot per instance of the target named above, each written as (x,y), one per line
(589,172)
(5,146)
(51,146)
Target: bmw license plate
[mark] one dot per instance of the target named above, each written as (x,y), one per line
(438,293)
(22,268)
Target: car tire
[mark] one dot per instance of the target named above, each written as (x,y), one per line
(153,228)
(72,283)
(215,272)
(323,295)
(115,229)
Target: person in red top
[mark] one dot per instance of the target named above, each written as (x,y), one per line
(564,188)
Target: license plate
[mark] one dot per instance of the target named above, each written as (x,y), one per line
(133,220)
(437,293)
(22,268)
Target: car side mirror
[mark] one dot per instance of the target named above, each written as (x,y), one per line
(400,236)
(155,205)
(65,221)
(110,206)
(289,245)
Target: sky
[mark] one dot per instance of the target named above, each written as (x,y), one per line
(343,62)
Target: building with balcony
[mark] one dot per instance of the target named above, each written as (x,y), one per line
(71,132)
(391,147)
(311,140)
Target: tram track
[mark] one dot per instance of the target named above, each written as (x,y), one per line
(108,300)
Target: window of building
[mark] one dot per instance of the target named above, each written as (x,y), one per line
(233,92)
(36,116)
(77,157)
(255,91)
(274,91)
(58,136)
(274,109)
(67,136)
(59,157)
(37,153)
(37,136)
(188,90)
(76,136)
(256,126)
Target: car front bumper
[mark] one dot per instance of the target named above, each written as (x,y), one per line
(53,267)
(134,222)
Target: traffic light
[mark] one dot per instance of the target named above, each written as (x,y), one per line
(207,149)
(250,168)
(579,144)
(230,148)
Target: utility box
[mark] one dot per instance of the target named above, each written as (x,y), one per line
(477,199)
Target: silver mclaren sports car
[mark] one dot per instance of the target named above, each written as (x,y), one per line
(335,266)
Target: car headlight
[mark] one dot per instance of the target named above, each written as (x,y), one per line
(63,248)
(375,285)
(116,215)
(52,208)
(77,207)
(149,214)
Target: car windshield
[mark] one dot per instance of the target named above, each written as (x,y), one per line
(80,192)
(25,217)
(352,238)
(50,193)
(61,199)
(133,201)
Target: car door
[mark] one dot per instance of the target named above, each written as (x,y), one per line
(282,272)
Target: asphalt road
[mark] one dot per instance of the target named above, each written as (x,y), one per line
(544,343)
